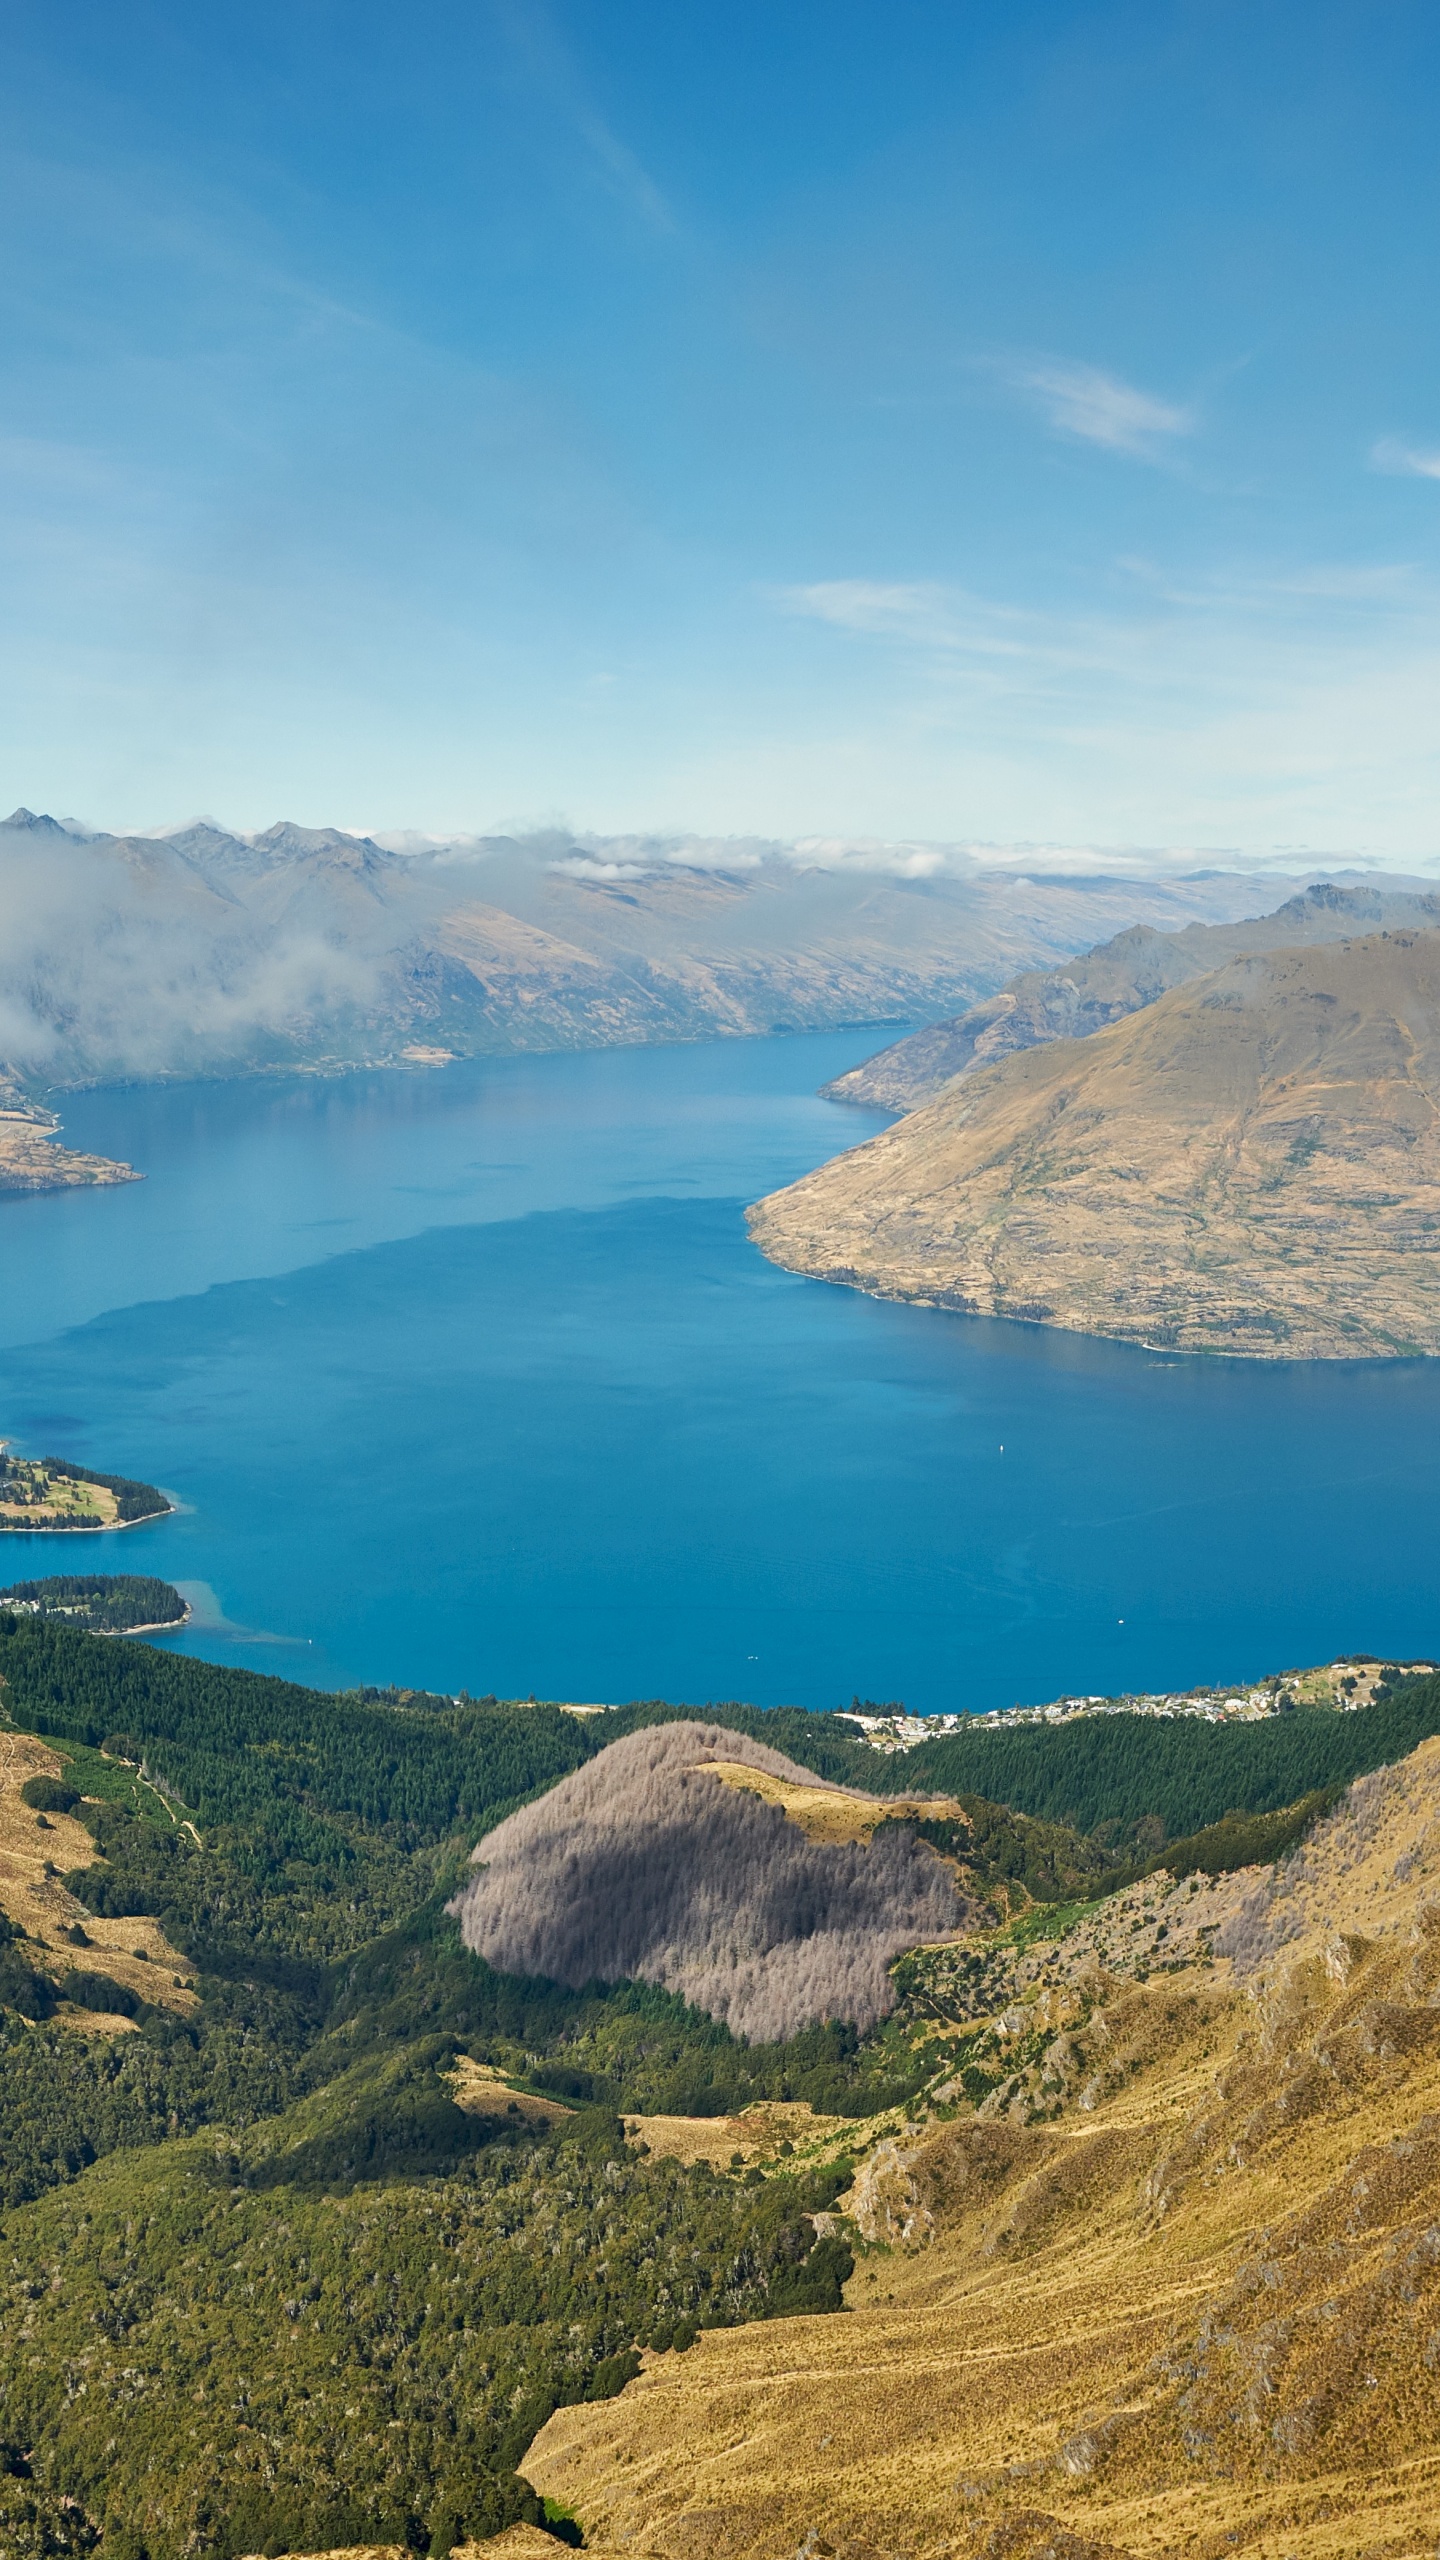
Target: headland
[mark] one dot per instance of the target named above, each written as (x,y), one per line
(54,1493)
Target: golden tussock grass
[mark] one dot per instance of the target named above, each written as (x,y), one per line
(823,1812)
(1175,2288)
(483,2092)
(758,2134)
(38,1903)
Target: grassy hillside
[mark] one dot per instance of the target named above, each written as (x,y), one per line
(1162,2280)
(1248,1165)
(264,2285)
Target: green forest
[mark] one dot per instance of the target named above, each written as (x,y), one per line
(103,1603)
(347,2325)
(1127,1779)
(264,2286)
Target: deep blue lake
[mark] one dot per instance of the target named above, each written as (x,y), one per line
(473,1379)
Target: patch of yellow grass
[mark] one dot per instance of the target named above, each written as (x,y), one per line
(63,1497)
(825,1813)
(373,2551)
(136,1953)
(1192,2308)
(483,2092)
(518,2542)
(94,2022)
(757,2134)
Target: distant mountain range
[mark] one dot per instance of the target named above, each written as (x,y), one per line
(1082,995)
(1251,1163)
(130,957)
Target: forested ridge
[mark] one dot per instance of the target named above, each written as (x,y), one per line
(262,2281)
(1113,1777)
(249,2346)
(236,1744)
(290,2164)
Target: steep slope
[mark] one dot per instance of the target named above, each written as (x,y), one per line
(305,2295)
(1251,1164)
(1172,2285)
(649,1865)
(1102,986)
(203,952)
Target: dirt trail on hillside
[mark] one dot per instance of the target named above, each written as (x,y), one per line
(33,1860)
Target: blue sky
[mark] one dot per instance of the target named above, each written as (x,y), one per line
(999,424)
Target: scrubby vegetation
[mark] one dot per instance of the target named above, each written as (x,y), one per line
(1012,1856)
(349,2326)
(263,2284)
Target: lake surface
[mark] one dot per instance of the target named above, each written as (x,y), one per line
(474,1380)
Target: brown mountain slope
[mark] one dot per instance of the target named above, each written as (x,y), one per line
(30,1160)
(1250,1165)
(1076,997)
(203,953)
(1173,2288)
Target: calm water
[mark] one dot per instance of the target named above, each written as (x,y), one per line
(474,1380)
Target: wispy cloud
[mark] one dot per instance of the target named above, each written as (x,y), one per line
(890,608)
(1405,459)
(1082,400)
(929,616)
(537,45)
(1258,709)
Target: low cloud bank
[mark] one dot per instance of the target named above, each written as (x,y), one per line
(120,959)
(201,952)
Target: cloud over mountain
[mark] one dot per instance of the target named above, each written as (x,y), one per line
(200,952)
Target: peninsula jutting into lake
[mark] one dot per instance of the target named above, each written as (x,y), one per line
(51,1493)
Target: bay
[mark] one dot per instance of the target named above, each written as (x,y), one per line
(474,1379)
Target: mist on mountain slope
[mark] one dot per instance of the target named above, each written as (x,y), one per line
(643,1866)
(204,952)
(123,959)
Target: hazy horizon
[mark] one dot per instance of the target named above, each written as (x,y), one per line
(1005,430)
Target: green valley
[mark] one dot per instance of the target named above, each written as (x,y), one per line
(273,2278)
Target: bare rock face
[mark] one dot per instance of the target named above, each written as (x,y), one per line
(1251,1164)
